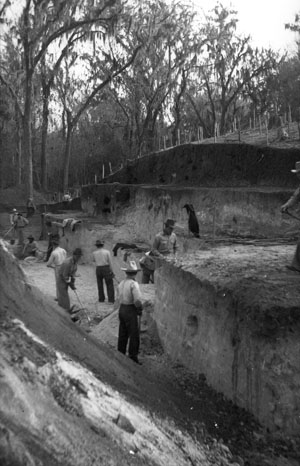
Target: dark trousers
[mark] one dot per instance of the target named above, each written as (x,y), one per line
(147,276)
(129,330)
(296,258)
(51,237)
(103,273)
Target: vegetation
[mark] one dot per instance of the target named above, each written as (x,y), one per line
(87,84)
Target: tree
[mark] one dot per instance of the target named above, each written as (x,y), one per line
(111,67)
(230,64)
(40,25)
(147,91)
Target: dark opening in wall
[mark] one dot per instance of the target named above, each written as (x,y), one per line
(192,325)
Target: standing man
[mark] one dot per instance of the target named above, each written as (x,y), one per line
(104,272)
(52,233)
(57,257)
(130,308)
(66,278)
(20,224)
(12,220)
(295,265)
(13,217)
(165,242)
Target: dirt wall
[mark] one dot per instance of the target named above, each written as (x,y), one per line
(252,360)
(234,211)
(213,165)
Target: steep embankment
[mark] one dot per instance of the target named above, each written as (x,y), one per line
(56,411)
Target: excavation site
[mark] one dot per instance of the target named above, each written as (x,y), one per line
(219,376)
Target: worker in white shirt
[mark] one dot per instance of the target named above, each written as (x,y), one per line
(57,256)
(130,312)
(104,272)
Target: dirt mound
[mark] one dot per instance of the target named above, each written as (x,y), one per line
(16,197)
(54,410)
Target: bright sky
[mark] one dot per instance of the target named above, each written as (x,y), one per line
(264,20)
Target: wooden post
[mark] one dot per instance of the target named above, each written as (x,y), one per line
(267,129)
(250,122)
(178,137)
(95,179)
(259,120)
(110,167)
(165,142)
(214,221)
(103,171)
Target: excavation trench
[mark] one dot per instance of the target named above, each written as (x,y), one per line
(227,308)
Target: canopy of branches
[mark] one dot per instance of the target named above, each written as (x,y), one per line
(86,84)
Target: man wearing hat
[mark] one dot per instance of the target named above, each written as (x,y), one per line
(131,307)
(165,242)
(12,220)
(57,257)
(30,248)
(66,278)
(104,272)
(295,265)
(13,217)
(20,223)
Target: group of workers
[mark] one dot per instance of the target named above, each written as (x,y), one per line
(128,290)
(18,222)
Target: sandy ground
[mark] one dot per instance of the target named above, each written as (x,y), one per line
(227,435)
(205,411)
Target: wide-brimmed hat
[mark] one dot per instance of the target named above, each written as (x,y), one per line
(149,253)
(30,237)
(297,168)
(14,210)
(99,242)
(170,223)
(77,252)
(131,268)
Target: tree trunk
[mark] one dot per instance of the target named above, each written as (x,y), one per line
(67,157)
(19,159)
(27,139)
(44,171)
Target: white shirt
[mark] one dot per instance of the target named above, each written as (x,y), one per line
(58,255)
(102,257)
(129,292)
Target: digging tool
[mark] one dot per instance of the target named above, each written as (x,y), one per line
(81,307)
(291,215)
(8,231)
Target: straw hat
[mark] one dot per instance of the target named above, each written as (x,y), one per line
(131,268)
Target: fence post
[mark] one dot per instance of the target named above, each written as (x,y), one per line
(259,119)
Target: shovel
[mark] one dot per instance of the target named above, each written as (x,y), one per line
(82,308)
(8,231)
